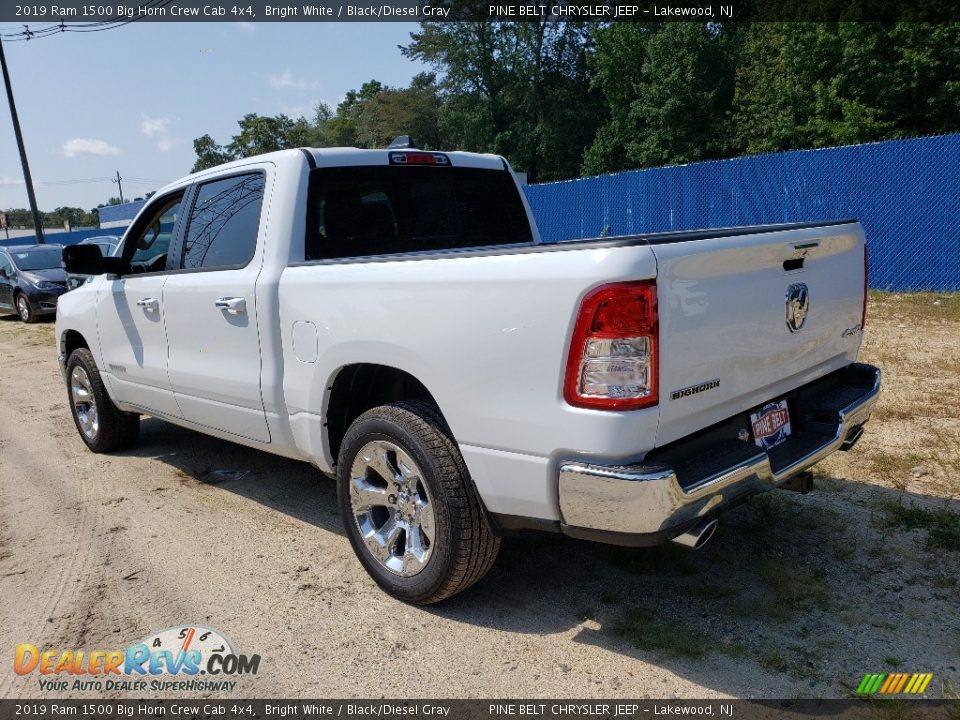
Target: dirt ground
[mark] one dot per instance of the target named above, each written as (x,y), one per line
(798,596)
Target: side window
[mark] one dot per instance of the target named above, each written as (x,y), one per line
(6,268)
(223,225)
(151,240)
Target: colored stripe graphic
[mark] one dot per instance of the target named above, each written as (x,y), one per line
(890,681)
(870,683)
(893,684)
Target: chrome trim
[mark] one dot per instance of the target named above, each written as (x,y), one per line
(697,536)
(640,499)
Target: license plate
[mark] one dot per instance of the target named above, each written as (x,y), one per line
(771,424)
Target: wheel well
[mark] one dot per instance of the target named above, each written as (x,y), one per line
(358,388)
(71,341)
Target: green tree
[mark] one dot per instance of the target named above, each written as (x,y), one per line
(818,84)
(518,89)
(209,153)
(668,89)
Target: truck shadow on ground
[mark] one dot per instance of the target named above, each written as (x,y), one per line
(804,594)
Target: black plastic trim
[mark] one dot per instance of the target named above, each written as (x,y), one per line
(515,524)
(311,160)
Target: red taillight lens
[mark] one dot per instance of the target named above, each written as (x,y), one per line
(612,362)
(866,286)
(418,158)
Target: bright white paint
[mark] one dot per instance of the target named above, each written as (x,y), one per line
(486,334)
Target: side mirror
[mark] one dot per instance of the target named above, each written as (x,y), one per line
(89,260)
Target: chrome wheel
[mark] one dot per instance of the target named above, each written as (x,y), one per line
(84,403)
(392,507)
(23,307)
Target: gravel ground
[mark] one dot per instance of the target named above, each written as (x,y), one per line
(796,596)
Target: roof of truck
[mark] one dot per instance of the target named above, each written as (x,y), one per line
(344,156)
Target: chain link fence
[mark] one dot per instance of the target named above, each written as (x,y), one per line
(906,193)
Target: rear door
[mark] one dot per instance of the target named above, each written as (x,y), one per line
(744,319)
(133,343)
(210,307)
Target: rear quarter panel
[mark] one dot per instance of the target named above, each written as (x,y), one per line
(487,335)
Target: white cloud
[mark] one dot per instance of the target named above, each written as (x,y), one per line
(287,81)
(88,146)
(154,126)
(167,144)
(248,26)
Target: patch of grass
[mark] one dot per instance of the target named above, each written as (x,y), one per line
(734,649)
(892,466)
(661,560)
(915,306)
(942,526)
(945,581)
(892,661)
(773,659)
(645,630)
(793,589)
(586,614)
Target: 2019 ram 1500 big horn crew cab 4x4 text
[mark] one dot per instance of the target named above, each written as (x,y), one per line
(392,317)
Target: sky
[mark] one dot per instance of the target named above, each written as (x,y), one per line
(133,99)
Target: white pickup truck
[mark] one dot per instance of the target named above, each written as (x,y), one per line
(392,317)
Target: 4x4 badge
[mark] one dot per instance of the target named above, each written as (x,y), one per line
(798,304)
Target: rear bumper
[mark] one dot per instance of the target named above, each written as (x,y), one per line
(678,485)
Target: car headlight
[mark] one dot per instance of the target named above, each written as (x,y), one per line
(46,285)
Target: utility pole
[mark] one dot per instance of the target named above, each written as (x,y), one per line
(37,218)
(117,181)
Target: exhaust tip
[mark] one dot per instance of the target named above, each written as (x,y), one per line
(697,536)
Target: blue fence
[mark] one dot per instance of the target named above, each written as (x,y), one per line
(64,238)
(906,193)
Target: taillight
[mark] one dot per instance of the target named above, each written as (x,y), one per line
(613,354)
(418,158)
(866,286)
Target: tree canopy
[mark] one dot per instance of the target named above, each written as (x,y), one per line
(561,99)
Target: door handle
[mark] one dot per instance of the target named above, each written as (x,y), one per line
(235,305)
(149,304)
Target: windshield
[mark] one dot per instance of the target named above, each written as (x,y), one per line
(376,210)
(46,259)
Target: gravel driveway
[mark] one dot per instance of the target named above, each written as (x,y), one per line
(796,596)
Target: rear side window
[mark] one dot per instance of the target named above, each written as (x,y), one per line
(378,210)
(223,224)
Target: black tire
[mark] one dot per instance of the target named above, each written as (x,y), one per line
(24,308)
(464,547)
(112,429)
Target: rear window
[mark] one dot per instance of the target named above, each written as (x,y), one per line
(378,210)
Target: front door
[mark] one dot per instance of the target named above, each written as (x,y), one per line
(210,308)
(6,282)
(130,315)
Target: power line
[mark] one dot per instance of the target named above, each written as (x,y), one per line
(28,34)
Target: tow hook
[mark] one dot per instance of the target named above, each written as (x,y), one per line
(801,483)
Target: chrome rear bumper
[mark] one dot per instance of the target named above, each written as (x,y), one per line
(653,501)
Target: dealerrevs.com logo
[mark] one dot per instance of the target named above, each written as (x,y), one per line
(186,657)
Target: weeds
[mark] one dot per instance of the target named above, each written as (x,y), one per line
(644,630)
(942,526)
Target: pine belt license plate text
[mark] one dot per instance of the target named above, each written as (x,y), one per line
(771,424)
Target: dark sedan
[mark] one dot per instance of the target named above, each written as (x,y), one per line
(31,280)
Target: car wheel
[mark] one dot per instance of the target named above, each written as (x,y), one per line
(409,506)
(101,425)
(24,309)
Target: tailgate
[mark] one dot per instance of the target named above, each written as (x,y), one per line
(733,331)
